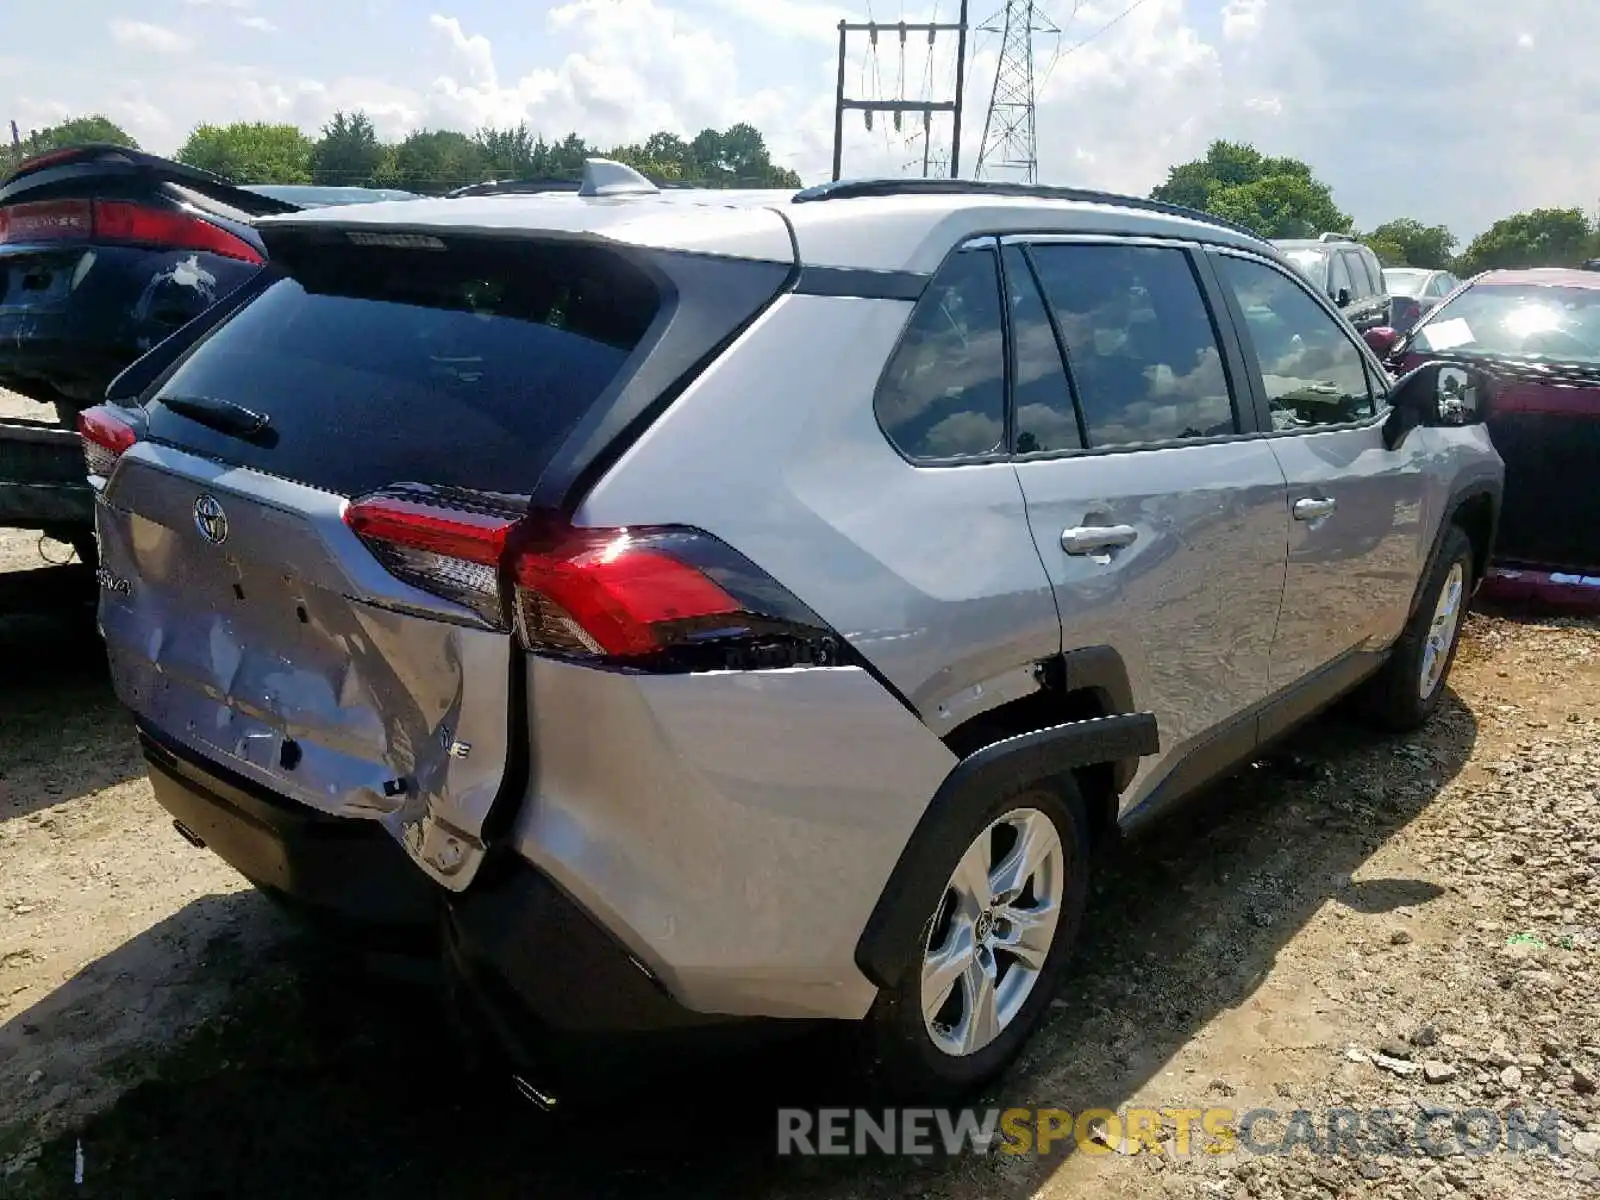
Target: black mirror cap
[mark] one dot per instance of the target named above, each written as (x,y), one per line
(1342,298)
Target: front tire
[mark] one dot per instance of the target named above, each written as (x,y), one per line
(993,947)
(1411,685)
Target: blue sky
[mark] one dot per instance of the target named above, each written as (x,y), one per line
(1448,111)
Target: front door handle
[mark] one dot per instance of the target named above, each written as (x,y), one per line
(1314,510)
(1097,539)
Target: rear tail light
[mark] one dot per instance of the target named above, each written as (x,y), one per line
(105,437)
(167,228)
(120,221)
(47,221)
(671,599)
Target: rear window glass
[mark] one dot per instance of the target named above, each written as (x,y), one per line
(1404,283)
(462,368)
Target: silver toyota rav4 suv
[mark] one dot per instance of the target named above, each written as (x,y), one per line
(696,606)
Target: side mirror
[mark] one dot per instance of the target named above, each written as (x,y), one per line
(1442,394)
(1343,297)
(1382,340)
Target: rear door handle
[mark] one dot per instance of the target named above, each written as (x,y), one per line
(1096,539)
(1313,510)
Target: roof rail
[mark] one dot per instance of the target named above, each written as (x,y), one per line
(602,177)
(513,187)
(849,189)
(1336,237)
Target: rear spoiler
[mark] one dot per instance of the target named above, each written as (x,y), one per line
(90,157)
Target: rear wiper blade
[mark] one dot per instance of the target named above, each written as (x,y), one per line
(224,416)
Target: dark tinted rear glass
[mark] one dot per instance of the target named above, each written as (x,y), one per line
(461,368)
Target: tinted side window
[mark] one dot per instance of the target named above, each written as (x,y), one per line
(1140,344)
(1046,418)
(1369,280)
(1313,373)
(943,393)
(1359,286)
(1339,277)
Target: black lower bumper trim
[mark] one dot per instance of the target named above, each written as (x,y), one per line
(335,867)
(529,952)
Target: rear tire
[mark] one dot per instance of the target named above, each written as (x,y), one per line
(962,1010)
(1412,683)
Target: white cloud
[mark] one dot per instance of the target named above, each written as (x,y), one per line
(260,24)
(145,36)
(793,18)
(1242,18)
(235,4)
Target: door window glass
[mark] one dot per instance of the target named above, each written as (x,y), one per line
(1313,373)
(1046,418)
(1339,278)
(1140,343)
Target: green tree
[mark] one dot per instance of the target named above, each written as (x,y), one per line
(1406,242)
(1544,237)
(435,161)
(250,152)
(1276,197)
(77,132)
(511,153)
(348,154)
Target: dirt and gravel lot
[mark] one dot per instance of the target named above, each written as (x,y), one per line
(1361,923)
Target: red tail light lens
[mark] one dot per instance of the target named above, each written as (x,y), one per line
(606,591)
(120,221)
(453,552)
(105,437)
(654,598)
(47,221)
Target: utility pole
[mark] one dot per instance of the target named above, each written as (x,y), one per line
(16,144)
(899,107)
(1010,131)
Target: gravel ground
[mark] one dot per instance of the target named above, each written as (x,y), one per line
(1360,923)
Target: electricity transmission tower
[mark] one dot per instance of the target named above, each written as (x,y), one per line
(1010,132)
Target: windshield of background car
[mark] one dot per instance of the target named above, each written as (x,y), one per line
(1405,283)
(1519,320)
(1313,264)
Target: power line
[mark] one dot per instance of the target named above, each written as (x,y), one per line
(1084,41)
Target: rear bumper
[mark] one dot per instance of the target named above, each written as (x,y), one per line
(351,871)
(528,961)
(534,963)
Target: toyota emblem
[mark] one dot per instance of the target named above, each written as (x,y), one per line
(210,520)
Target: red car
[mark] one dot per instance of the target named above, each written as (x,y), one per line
(1537,332)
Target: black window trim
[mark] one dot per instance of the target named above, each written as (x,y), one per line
(1245,410)
(1375,371)
(1013,367)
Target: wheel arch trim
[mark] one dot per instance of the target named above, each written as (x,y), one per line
(887,943)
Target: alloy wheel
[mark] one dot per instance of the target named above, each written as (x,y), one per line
(993,931)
